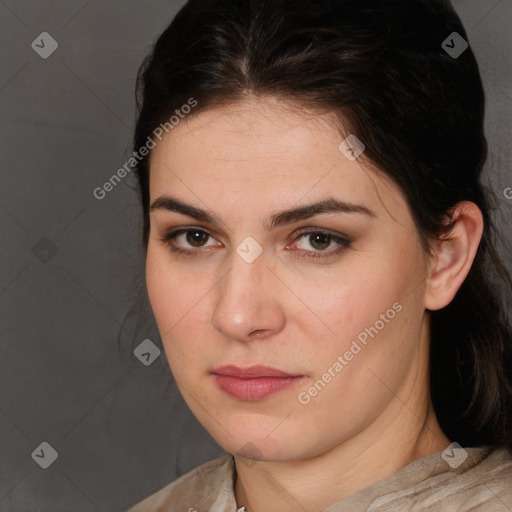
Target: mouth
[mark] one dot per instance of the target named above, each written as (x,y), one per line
(253,383)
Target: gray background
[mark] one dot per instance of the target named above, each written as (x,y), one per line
(70,263)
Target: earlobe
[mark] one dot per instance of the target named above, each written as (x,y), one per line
(453,255)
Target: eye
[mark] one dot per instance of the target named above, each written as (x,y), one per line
(195,238)
(317,242)
(188,240)
(313,243)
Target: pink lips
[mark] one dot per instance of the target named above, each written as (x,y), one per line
(253,383)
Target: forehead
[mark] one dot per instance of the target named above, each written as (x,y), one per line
(261,152)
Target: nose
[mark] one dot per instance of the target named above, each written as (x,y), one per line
(247,306)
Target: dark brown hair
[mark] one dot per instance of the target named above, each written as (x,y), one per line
(380,67)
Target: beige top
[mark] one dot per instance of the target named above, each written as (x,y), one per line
(483,482)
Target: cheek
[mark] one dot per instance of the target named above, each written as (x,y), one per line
(351,301)
(177,298)
(160,282)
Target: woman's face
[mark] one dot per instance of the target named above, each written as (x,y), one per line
(287,281)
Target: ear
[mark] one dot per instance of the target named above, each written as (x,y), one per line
(453,255)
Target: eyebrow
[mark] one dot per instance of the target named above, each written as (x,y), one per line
(279,218)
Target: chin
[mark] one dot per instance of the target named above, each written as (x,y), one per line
(263,445)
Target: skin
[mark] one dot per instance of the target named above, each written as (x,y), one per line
(295,312)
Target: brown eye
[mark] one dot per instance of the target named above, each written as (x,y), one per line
(316,243)
(320,241)
(190,241)
(197,238)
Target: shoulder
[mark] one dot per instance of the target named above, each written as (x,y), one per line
(482,482)
(474,479)
(198,489)
(489,481)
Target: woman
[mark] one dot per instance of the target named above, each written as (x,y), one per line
(320,258)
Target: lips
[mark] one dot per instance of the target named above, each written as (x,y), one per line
(253,383)
(251,372)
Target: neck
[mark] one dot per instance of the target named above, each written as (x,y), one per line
(398,438)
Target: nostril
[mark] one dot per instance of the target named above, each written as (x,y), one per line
(259,333)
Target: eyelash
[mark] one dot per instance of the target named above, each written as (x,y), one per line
(342,241)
